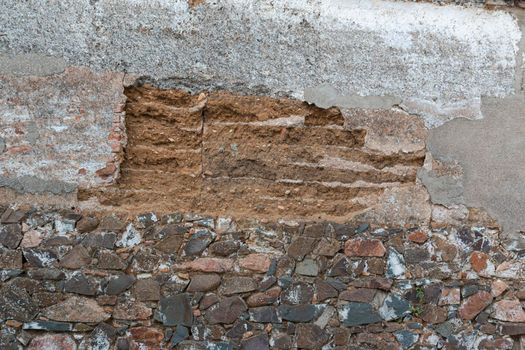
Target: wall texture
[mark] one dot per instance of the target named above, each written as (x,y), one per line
(397,115)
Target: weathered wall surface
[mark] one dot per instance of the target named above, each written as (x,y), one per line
(396,125)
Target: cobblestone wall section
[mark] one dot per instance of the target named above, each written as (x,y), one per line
(73,280)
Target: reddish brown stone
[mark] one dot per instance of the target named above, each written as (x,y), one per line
(474,305)
(447,250)
(450,296)
(509,310)
(363,295)
(130,310)
(418,237)
(76,258)
(255,262)
(76,309)
(498,287)
(364,247)
(208,265)
(148,336)
(372,283)
(264,298)
(434,314)
(52,341)
(478,261)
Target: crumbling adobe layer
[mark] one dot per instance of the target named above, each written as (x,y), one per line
(222,153)
(183,281)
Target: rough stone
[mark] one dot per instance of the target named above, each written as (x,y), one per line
(474,305)
(498,287)
(508,310)
(10,235)
(109,260)
(406,338)
(119,284)
(297,313)
(236,285)
(307,267)
(80,284)
(52,341)
(362,295)
(395,267)
(198,242)
(264,298)
(355,314)
(16,303)
(147,290)
(300,247)
(87,224)
(226,311)
(323,290)
(131,310)
(224,248)
(100,240)
(450,296)
(310,336)
(264,314)
(76,309)
(49,326)
(175,310)
(146,337)
(434,314)
(10,259)
(204,283)
(364,247)
(209,265)
(298,293)
(255,262)
(102,336)
(394,307)
(76,258)
(258,342)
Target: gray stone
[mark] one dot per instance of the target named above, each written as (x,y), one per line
(264,314)
(198,242)
(297,313)
(119,284)
(224,248)
(227,311)
(102,337)
(11,216)
(109,260)
(40,257)
(310,336)
(100,240)
(204,283)
(394,307)
(298,293)
(406,338)
(10,259)
(147,290)
(10,235)
(76,258)
(46,274)
(80,284)
(235,285)
(180,334)
(307,267)
(355,314)
(258,342)
(87,224)
(175,310)
(16,303)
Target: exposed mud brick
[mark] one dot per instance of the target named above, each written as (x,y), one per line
(364,247)
(239,133)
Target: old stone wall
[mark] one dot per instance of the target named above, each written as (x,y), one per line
(184,281)
(316,174)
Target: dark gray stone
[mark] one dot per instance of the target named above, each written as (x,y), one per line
(406,338)
(297,313)
(102,337)
(298,293)
(355,314)
(227,311)
(80,284)
(119,284)
(10,235)
(46,274)
(264,314)
(180,334)
(258,342)
(310,336)
(235,285)
(100,239)
(175,310)
(394,307)
(41,257)
(224,248)
(198,242)
(16,304)
(204,283)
